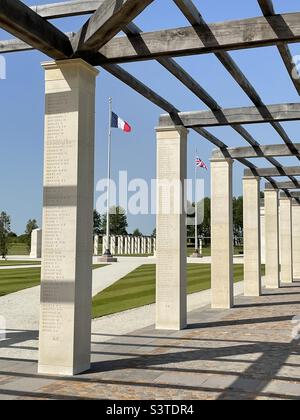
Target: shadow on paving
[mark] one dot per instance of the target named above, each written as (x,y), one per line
(233,354)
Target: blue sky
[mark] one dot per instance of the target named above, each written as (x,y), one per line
(22,108)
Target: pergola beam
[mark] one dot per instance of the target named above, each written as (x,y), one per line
(226,36)
(289,185)
(268,10)
(277,150)
(231,116)
(22,22)
(233,69)
(67,9)
(106,22)
(274,172)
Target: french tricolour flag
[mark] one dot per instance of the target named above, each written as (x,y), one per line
(117,122)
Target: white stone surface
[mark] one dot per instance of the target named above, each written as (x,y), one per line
(171,287)
(286,240)
(221,234)
(96,244)
(65,327)
(272,239)
(36,243)
(296,241)
(252,237)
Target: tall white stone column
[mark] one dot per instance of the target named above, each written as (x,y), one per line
(36,243)
(113,245)
(96,244)
(296,241)
(127,245)
(252,237)
(66,286)
(221,234)
(272,239)
(171,287)
(286,240)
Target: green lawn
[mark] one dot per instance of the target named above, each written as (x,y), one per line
(11,263)
(18,249)
(206,251)
(12,281)
(138,288)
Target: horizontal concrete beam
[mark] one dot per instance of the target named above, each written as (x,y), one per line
(22,22)
(289,185)
(274,172)
(277,150)
(231,116)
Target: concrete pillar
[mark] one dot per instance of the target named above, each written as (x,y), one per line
(149,246)
(36,243)
(66,280)
(221,234)
(104,245)
(144,245)
(252,237)
(263,234)
(272,239)
(171,287)
(113,245)
(120,245)
(126,246)
(296,241)
(132,244)
(286,240)
(139,245)
(136,244)
(96,244)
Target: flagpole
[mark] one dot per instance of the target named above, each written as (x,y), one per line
(107,252)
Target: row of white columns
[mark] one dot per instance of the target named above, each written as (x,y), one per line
(66,280)
(282,235)
(127,245)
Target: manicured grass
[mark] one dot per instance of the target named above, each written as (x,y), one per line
(11,263)
(206,251)
(18,249)
(138,288)
(12,281)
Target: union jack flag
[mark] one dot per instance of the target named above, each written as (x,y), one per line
(200,164)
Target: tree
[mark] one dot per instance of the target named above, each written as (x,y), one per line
(30,227)
(154,233)
(117,221)
(97,224)
(238,217)
(137,232)
(4,233)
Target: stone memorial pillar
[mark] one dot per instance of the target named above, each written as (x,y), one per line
(149,246)
(136,242)
(296,241)
(113,245)
(171,287)
(36,243)
(144,245)
(139,246)
(66,280)
(221,234)
(132,244)
(286,240)
(96,245)
(104,244)
(263,235)
(126,245)
(272,239)
(252,237)
(120,245)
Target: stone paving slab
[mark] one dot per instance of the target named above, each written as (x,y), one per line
(246,353)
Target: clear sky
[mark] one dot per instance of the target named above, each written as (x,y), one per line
(22,108)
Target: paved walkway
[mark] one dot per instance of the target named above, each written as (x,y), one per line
(244,353)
